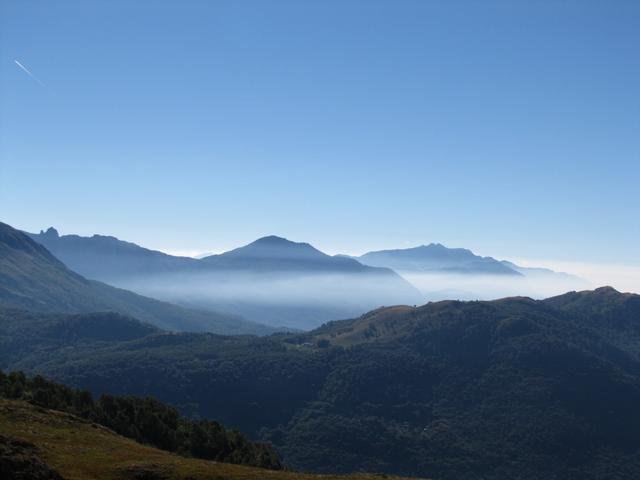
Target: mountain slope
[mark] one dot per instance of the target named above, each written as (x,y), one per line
(106,258)
(45,444)
(23,332)
(613,314)
(512,388)
(31,278)
(145,420)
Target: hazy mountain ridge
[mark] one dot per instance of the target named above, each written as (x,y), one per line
(438,258)
(277,253)
(271,280)
(32,278)
(513,388)
(102,257)
(440,273)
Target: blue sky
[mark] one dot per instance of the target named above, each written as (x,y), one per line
(511,128)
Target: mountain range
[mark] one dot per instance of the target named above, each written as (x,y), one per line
(289,284)
(437,258)
(442,273)
(272,280)
(107,258)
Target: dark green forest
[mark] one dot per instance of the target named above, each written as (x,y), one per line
(514,388)
(145,420)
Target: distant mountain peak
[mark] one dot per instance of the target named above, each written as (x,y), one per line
(439,247)
(50,232)
(273,246)
(275,240)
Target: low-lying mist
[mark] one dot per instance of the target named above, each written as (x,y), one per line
(537,285)
(291,299)
(300,300)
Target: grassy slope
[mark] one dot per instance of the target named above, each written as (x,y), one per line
(79,450)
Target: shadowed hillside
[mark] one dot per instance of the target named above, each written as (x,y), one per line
(145,420)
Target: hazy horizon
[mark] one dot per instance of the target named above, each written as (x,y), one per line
(508,128)
(623,277)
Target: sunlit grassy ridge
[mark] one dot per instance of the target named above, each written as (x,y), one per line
(81,450)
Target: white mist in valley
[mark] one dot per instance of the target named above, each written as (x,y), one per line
(304,301)
(451,286)
(292,299)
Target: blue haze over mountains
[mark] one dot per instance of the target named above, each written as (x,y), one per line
(438,258)
(444,273)
(32,278)
(289,284)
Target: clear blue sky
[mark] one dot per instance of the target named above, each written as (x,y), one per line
(512,128)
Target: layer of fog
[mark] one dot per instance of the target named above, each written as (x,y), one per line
(535,284)
(304,301)
(291,299)
(625,278)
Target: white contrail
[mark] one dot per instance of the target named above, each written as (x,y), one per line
(26,70)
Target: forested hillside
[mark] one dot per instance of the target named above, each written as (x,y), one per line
(42,444)
(143,419)
(514,388)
